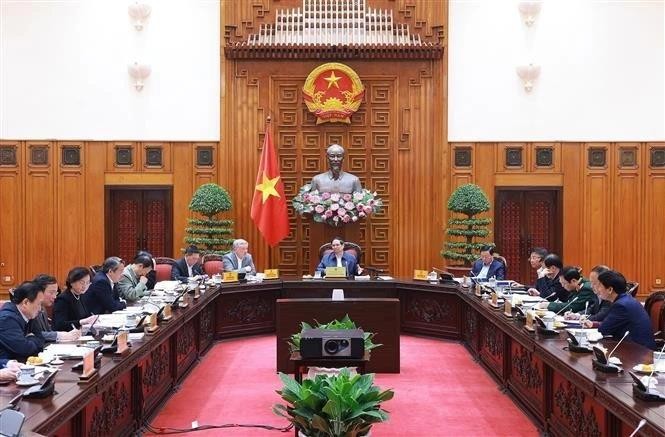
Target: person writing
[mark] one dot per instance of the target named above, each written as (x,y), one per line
(16,342)
(581,293)
(103,297)
(41,325)
(335,180)
(488,266)
(187,266)
(625,314)
(68,308)
(339,258)
(549,287)
(133,283)
(238,259)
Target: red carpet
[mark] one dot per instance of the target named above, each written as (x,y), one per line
(439,392)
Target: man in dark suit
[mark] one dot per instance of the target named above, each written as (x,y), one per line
(187,266)
(625,315)
(15,341)
(549,286)
(238,259)
(339,258)
(103,297)
(488,266)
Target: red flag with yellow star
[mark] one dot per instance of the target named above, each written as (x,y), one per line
(269,203)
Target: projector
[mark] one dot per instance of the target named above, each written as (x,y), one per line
(332,343)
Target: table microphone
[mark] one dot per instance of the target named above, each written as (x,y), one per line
(617,345)
(567,305)
(639,426)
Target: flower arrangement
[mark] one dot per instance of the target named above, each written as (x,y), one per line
(336,209)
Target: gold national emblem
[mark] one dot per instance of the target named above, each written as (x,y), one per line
(333,92)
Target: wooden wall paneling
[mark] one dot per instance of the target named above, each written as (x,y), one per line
(95,163)
(626,207)
(71,206)
(597,215)
(205,174)
(419,168)
(122,156)
(240,153)
(485,178)
(183,189)
(12,158)
(511,158)
(574,208)
(39,209)
(539,152)
(654,232)
(162,149)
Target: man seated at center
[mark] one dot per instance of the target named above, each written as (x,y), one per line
(339,258)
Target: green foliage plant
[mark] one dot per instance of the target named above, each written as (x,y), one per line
(333,406)
(469,201)
(211,235)
(345,323)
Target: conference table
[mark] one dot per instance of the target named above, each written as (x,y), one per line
(558,389)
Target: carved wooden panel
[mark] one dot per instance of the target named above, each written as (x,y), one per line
(527,377)
(657,157)
(492,348)
(574,411)
(8,155)
(544,156)
(597,157)
(71,155)
(124,156)
(240,314)
(437,313)
(206,327)
(153,157)
(39,155)
(514,156)
(462,157)
(110,411)
(511,246)
(185,347)
(470,328)
(155,376)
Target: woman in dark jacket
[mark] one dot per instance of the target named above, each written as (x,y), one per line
(68,308)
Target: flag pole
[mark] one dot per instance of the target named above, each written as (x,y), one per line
(265,132)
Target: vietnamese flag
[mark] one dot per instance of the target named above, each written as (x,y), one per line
(269,203)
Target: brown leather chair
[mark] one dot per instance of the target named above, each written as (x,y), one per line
(655,307)
(632,288)
(212,264)
(94,269)
(349,247)
(163,267)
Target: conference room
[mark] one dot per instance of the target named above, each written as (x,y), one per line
(208,206)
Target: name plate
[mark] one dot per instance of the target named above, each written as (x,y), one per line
(230,277)
(528,325)
(152,323)
(271,273)
(88,364)
(167,313)
(479,290)
(336,272)
(122,342)
(507,309)
(420,275)
(494,299)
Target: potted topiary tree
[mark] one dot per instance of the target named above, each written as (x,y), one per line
(333,406)
(209,234)
(462,248)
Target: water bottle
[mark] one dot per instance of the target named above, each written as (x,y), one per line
(492,283)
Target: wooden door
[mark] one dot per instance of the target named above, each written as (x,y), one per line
(138,219)
(524,219)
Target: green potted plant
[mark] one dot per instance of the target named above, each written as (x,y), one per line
(342,405)
(345,323)
(464,232)
(210,235)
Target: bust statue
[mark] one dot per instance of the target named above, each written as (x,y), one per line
(335,180)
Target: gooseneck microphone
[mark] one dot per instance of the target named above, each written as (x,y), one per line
(567,305)
(638,427)
(617,345)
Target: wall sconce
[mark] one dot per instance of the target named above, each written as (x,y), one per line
(528,74)
(139,12)
(139,72)
(529,11)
